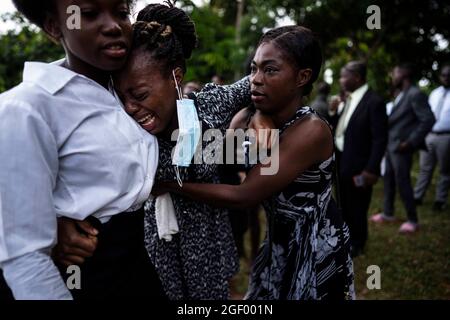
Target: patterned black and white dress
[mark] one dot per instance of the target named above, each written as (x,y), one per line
(202,257)
(306,251)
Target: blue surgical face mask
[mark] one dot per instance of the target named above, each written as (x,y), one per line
(189,132)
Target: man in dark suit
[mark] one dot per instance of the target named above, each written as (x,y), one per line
(409,122)
(361,137)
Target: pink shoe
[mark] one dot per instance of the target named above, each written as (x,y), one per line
(382,218)
(408,227)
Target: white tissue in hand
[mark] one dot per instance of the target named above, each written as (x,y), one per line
(166,220)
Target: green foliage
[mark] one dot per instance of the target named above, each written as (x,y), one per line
(216,52)
(16,47)
(410,31)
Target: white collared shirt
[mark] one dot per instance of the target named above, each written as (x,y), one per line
(67,148)
(355,99)
(443,118)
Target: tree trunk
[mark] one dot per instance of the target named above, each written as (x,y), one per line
(239,14)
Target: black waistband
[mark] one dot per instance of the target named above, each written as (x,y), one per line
(117,218)
(440,132)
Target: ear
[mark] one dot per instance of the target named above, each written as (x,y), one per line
(303,77)
(52,28)
(179,75)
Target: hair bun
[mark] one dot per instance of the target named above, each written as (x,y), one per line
(168,20)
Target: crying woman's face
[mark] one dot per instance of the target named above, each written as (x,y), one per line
(147,92)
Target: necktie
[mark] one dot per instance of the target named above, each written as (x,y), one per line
(340,130)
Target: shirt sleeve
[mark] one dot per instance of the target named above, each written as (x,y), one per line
(218,104)
(34,276)
(28,225)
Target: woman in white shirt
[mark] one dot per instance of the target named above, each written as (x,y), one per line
(67,148)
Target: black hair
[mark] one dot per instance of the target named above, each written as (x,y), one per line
(409,70)
(37,11)
(446,65)
(299,45)
(323,88)
(357,67)
(167,33)
(248,62)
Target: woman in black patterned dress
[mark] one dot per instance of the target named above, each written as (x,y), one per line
(200,260)
(306,251)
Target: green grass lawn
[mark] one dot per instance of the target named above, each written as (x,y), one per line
(412,267)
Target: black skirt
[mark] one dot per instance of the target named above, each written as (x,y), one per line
(5,292)
(120,266)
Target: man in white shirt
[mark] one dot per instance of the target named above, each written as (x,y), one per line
(438,145)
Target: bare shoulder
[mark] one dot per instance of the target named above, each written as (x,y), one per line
(311,126)
(240,119)
(311,133)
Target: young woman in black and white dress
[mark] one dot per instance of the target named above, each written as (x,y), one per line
(306,251)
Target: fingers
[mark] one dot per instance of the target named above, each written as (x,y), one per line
(74,246)
(87,227)
(70,237)
(75,241)
(67,254)
(71,260)
(65,263)
(68,250)
(83,248)
(86,243)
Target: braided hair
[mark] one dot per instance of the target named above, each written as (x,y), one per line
(300,46)
(167,33)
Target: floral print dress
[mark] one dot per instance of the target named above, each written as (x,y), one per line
(200,260)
